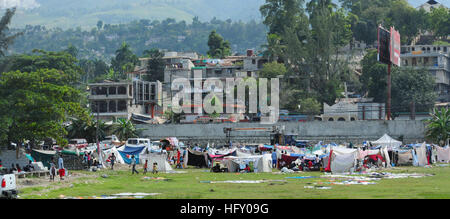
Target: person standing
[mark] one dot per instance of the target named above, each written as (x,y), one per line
(52,171)
(133,164)
(61,168)
(113,160)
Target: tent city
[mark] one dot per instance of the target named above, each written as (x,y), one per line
(225,100)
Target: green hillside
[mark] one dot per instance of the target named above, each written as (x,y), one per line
(85,13)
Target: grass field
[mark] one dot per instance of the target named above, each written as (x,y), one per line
(189,185)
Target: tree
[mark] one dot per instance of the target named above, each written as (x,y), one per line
(99,25)
(218,47)
(272,70)
(72,50)
(438,127)
(412,89)
(125,130)
(374,77)
(156,65)
(280,15)
(35,105)
(439,21)
(310,107)
(6,40)
(65,63)
(125,61)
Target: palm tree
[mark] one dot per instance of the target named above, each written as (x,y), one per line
(438,128)
(125,130)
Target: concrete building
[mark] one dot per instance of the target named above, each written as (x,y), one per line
(353,109)
(434,58)
(113,100)
(430,5)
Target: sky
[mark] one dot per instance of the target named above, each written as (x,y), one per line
(28,4)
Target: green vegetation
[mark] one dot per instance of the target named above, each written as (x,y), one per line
(438,127)
(188,186)
(218,47)
(141,35)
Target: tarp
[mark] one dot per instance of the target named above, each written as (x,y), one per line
(116,153)
(127,152)
(343,159)
(43,156)
(259,164)
(387,141)
(405,158)
(195,158)
(443,154)
(421,153)
(160,159)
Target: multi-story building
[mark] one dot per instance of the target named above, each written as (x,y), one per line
(125,99)
(435,59)
(190,66)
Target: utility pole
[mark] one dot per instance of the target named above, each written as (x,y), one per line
(389,92)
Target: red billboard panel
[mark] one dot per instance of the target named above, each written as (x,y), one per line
(395,47)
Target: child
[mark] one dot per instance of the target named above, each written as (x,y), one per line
(155,168)
(145,166)
(52,171)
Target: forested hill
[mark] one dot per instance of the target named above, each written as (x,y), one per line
(102,41)
(85,13)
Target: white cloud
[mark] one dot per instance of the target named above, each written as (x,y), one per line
(23,4)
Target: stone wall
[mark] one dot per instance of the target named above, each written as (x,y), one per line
(339,132)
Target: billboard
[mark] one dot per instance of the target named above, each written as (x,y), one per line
(395,47)
(384,38)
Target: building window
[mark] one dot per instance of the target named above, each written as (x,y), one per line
(122,106)
(101,90)
(103,106)
(112,106)
(253,61)
(341,119)
(352,119)
(330,119)
(122,90)
(112,90)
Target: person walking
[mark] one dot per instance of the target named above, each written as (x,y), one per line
(145,167)
(133,164)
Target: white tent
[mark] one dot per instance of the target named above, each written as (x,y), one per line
(113,150)
(343,159)
(261,164)
(387,141)
(160,159)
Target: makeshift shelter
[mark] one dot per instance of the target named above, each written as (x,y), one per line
(162,164)
(196,158)
(116,153)
(342,159)
(127,152)
(72,160)
(259,164)
(43,156)
(443,154)
(421,155)
(387,141)
(405,158)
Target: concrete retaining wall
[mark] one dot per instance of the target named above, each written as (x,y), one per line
(339,132)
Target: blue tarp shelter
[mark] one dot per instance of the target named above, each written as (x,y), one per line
(127,152)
